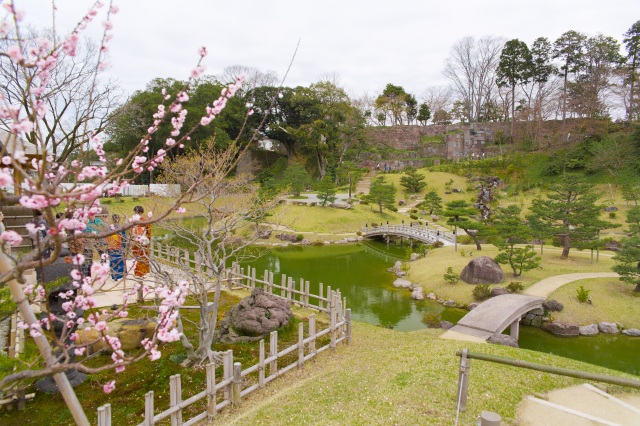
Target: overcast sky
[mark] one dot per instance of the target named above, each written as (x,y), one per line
(368,43)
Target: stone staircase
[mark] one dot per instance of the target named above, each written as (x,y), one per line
(580,405)
(364,184)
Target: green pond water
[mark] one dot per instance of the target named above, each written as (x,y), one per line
(360,272)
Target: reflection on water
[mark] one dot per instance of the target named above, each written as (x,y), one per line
(360,272)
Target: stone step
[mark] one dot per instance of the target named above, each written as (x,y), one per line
(580,405)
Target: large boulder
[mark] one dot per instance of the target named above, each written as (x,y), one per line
(560,329)
(253,318)
(130,332)
(482,270)
(503,339)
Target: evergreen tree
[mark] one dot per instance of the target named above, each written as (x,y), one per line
(326,191)
(514,68)
(570,213)
(432,202)
(297,177)
(460,215)
(381,193)
(628,257)
(512,230)
(412,181)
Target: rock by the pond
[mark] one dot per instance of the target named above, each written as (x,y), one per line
(536,311)
(589,330)
(472,306)
(130,332)
(633,332)
(414,257)
(482,270)
(402,283)
(608,327)
(498,291)
(503,339)
(553,305)
(444,325)
(401,273)
(431,296)
(287,237)
(402,203)
(560,329)
(253,318)
(536,321)
(417,293)
(397,267)
(305,242)
(449,303)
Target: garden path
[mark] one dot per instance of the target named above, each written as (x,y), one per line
(545,287)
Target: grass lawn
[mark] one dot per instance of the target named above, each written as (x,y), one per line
(429,270)
(613,301)
(332,221)
(392,378)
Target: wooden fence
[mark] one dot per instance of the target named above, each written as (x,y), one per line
(232,386)
(296,292)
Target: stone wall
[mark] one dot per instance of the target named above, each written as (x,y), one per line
(458,140)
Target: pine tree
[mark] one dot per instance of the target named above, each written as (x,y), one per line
(512,230)
(460,215)
(326,191)
(569,213)
(432,202)
(413,181)
(381,193)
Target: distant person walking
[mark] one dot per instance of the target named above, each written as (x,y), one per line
(40,232)
(116,249)
(140,241)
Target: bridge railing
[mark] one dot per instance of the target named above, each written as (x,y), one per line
(412,231)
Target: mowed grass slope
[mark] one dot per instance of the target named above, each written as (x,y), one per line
(392,378)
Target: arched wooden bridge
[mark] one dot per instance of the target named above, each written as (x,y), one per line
(496,314)
(425,234)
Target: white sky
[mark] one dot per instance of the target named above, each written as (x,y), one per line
(368,43)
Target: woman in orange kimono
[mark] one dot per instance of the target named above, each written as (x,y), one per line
(140,240)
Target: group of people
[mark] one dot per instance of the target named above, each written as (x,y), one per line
(115,248)
(387,167)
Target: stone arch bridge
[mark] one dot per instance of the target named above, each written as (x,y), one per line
(496,314)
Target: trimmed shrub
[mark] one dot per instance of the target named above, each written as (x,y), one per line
(515,287)
(413,216)
(450,276)
(481,292)
(299,237)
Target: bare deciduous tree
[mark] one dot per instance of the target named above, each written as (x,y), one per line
(471,67)
(232,209)
(77,105)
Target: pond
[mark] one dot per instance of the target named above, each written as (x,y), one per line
(360,272)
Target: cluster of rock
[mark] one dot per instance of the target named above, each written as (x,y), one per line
(572,330)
